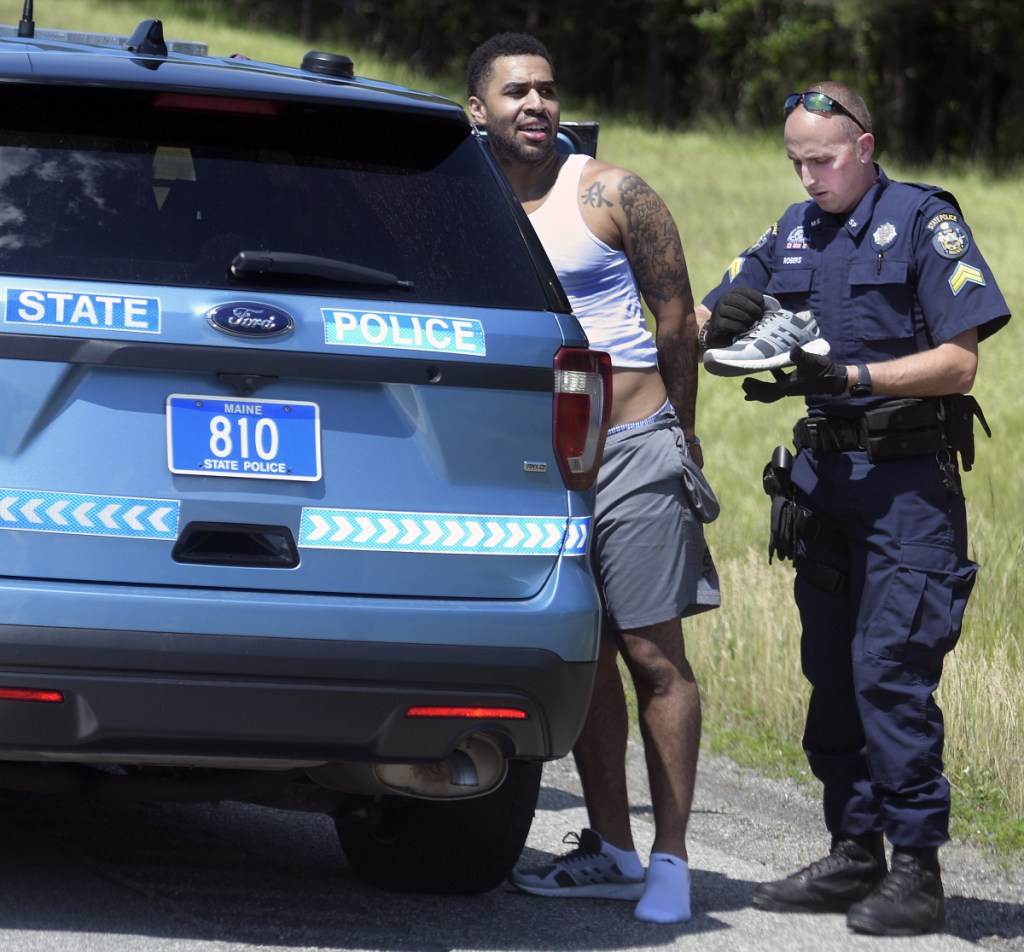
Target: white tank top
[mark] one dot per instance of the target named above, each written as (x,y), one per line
(597,279)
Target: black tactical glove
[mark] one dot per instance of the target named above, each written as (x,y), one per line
(814,373)
(734,313)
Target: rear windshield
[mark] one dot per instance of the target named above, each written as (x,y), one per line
(129,186)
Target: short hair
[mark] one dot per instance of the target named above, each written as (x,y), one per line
(850,100)
(481,62)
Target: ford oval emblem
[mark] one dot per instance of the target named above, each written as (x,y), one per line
(243,319)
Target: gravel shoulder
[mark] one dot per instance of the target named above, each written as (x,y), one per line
(747,828)
(135,877)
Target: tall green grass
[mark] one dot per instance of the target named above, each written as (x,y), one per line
(725,189)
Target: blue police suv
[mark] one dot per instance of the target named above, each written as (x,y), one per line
(296,454)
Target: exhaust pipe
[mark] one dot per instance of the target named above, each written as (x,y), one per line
(477,766)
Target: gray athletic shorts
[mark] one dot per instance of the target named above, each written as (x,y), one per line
(647,545)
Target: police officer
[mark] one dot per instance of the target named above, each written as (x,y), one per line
(902,294)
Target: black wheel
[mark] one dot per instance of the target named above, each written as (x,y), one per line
(442,846)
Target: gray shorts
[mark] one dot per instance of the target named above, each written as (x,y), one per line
(647,545)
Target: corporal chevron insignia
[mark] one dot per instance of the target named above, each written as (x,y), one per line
(964,274)
(442,533)
(123,516)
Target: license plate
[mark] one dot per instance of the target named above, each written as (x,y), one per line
(251,439)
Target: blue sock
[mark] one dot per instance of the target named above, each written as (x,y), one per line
(666,896)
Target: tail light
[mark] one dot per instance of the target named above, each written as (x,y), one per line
(473,713)
(31,694)
(583,404)
(217,105)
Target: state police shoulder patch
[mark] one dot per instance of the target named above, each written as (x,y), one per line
(760,243)
(949,237)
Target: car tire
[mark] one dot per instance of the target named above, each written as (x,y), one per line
(455,847)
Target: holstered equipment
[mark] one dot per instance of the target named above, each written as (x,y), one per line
(791,522)
(957,412)
(894,429)
(897,429)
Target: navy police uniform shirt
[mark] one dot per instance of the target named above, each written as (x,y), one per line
(900,275)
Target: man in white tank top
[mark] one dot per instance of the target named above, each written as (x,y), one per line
(612,240)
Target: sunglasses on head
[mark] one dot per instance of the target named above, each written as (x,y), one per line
(819,102)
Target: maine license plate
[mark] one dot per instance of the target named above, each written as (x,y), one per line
(254,439)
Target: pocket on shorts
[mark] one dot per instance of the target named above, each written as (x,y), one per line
(696,488)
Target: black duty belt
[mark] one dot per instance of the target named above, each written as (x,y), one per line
(891,430)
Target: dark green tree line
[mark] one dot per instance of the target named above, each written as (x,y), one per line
(943,77)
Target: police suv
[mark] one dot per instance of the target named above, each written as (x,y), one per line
(296,457)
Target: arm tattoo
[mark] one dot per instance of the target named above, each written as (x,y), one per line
(678,365)
(594,196)
(652,242)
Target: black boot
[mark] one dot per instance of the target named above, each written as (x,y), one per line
(853,868)
(908,902)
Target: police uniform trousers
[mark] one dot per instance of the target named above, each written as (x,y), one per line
(873,647)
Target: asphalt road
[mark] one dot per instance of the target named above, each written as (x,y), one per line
(158,878)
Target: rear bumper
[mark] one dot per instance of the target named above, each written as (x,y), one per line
(142,696)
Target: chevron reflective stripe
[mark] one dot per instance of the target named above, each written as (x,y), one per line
(442,533)
(123,516)
(577,536)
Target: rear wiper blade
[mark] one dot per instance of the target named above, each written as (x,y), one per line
(247,264)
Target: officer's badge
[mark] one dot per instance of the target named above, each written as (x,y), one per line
(883,236)
(950,239)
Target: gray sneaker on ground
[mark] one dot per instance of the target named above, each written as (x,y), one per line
(587,871)
(767,344)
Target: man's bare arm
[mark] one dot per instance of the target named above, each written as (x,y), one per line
(654,249)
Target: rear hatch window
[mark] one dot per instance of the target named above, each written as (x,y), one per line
(161,188)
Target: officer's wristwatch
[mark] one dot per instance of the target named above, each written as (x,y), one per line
(862,388)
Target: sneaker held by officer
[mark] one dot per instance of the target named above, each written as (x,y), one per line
(768,344)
